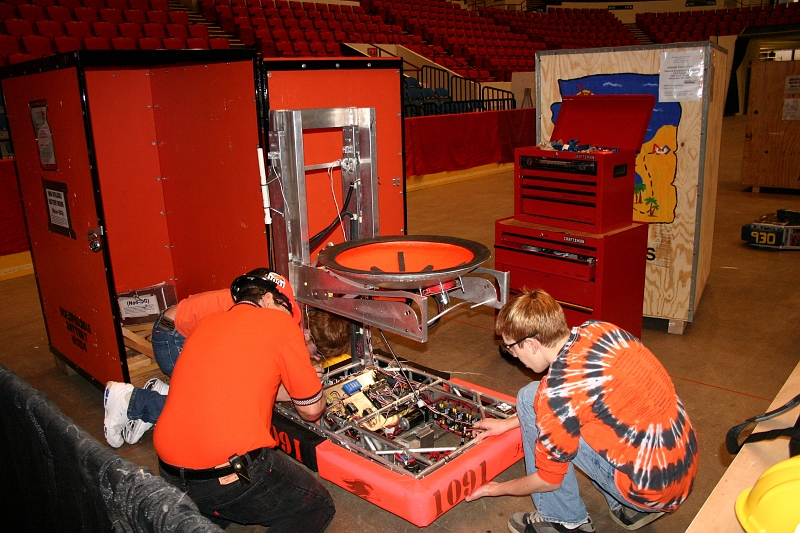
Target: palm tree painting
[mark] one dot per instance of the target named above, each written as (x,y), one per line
(638,189)
(652,204)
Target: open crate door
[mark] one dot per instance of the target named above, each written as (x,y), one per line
(46,119)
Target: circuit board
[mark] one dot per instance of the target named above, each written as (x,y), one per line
(404,417)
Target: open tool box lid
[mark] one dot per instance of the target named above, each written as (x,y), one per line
(605,120)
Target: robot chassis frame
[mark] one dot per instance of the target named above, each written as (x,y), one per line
(390,302)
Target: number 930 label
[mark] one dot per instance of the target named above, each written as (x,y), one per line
(763,237)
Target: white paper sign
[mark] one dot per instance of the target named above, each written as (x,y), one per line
(680,76)
(791,109)
(138,306)
(792,84)
(56,203)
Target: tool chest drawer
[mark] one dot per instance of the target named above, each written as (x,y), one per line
(572,291)
(583,191)
(537,255)
(593,276)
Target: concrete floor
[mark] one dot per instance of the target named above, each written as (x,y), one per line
(727,366)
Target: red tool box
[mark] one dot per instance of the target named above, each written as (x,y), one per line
(593,276)
(585,191)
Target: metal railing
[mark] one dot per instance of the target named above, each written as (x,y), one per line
(498,99)
(466,95)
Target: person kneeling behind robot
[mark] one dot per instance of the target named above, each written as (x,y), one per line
(131,411)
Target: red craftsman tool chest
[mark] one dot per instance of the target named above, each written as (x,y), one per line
(596,276)
(589,190)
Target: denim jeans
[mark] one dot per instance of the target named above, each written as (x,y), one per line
(145,405)
(167,346)
(282,496)
(565,505)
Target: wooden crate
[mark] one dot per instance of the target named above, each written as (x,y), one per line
(676,193)
(141,361)
(772,140)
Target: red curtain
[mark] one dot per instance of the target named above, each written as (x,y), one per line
(456,142)
(13,236)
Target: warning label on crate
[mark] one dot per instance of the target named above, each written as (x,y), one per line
(44,137)
(140,305)
(791,109)
(792,84)
(681,76)
(56,197)
(78,328)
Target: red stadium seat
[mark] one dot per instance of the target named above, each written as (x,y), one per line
(67,44)
(179,17)
(317,48)
(118,4)
(177,30)
(301,48)
(96,43)
(154,30)
(31,12)
(284,48)
(109,14)
(86,14)
(123,43)
(199,31)
(149,43)
(49,28)
(105,29)
(142,5)
(157,17)
(9,45)
(7,11)
(19,27)
(216,43)
(76,28)
(174,43)
(196,43)
(135,15)
(59,13)
(131,29)
(13,59)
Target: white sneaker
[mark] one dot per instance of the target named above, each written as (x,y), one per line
(134,429)
(157,385)
(115,402)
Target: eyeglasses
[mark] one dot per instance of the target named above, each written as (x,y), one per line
(282,301)
(507,347)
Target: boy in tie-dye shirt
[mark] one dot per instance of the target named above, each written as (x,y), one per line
(607,406)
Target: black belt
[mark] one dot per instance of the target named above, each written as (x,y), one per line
(206,473)
(166,323)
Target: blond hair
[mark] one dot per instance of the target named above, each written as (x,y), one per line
(532,311)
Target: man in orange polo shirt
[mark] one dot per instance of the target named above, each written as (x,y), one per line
(213,438)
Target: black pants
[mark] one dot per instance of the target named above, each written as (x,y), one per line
(282,496)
